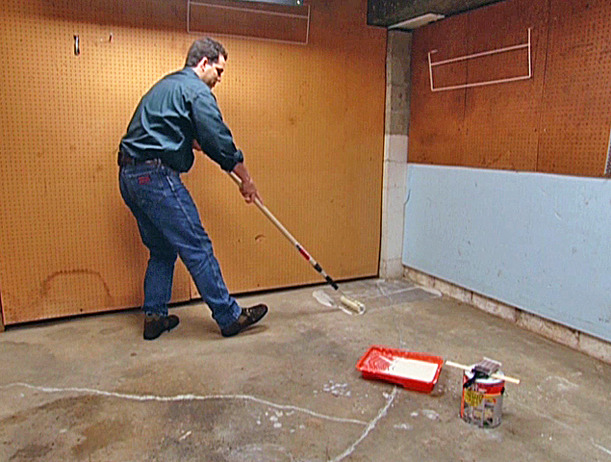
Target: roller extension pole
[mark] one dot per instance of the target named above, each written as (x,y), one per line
(353,305)
(494,375)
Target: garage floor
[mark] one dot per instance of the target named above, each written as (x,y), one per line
(91,389)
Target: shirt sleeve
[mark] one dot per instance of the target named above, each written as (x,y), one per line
(212,134)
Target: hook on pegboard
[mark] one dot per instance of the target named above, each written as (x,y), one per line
(77,42)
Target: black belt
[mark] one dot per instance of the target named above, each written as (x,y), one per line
(124,159)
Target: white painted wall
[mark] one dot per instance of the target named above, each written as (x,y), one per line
(393,203)
(538,242)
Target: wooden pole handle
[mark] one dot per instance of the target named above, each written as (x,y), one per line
(267,213)
(494,376)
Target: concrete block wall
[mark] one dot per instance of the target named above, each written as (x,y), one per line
(395,152)
(572,338)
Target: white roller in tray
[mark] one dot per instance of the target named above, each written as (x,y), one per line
(422,371)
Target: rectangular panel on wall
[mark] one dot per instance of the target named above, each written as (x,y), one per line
(281,23)
(489,67)
(576,109)
(69,245)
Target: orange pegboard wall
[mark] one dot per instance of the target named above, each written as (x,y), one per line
(558,121)
(313,152)
(501,119)
(576,107)
(69,245)
(436,126)
(62,118)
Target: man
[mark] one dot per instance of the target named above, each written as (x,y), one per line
(177,113)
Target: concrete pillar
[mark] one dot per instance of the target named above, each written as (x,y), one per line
(398,87)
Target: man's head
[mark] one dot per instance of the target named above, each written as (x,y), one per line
(207,58)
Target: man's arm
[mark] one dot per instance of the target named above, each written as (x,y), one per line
(214,138)
(248,189)
(212,134)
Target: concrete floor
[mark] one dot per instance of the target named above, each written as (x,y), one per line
(287,390)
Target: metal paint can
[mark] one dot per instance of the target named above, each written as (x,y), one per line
(482,401)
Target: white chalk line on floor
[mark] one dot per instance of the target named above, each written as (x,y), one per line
(187,397)
(190,397)
(602,448)
(370,427)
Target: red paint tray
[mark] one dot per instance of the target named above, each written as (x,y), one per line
(414,371)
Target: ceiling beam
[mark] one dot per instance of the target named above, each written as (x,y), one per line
(387,13)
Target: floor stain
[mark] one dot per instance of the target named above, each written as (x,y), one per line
(31,452)
(102,434)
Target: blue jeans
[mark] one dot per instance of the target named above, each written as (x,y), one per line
(169,225)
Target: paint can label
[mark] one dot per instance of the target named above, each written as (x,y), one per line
(482,401)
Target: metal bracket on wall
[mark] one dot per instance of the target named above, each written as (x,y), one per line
(1,316)
(295,25)
(478,55)
(608,164)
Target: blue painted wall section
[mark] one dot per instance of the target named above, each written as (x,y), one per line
(538,242)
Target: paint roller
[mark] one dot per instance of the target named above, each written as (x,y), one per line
(353,306)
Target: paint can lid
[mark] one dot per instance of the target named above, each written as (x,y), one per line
(484,380)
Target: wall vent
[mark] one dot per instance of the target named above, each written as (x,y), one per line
(418,21)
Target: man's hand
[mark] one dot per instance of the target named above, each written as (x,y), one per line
(248,188)
(249,192)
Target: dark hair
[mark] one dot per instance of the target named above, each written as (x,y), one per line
(204,47)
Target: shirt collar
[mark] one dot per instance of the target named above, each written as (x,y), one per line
(189,71)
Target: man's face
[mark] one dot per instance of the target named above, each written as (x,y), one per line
(212,71)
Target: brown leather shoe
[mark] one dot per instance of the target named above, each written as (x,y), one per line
(248,317)
(155,325)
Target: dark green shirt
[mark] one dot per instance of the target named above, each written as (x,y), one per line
(175,111)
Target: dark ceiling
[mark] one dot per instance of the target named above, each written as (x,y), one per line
(390,12)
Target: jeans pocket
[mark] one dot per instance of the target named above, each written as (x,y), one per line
(148,186)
